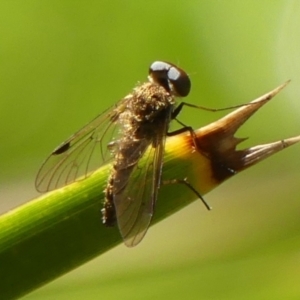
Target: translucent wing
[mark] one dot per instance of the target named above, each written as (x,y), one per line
(136,194)
(82,153)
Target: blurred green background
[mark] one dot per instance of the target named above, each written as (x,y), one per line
(63,62)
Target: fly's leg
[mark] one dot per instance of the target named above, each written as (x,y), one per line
(184,128)
(180,106)
(188,185)
(190,129)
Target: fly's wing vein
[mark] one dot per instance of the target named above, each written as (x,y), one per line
(135,199)
(82,153)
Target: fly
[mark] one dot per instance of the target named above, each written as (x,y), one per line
(136,148)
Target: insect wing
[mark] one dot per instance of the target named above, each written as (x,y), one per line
(135,198)
(82,153)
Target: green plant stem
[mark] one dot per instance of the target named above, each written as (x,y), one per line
(61,230)
(55,233)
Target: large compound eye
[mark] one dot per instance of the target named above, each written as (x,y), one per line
(180,81)
(172,78)
(158,71)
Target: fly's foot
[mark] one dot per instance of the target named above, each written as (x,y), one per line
(187,184)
